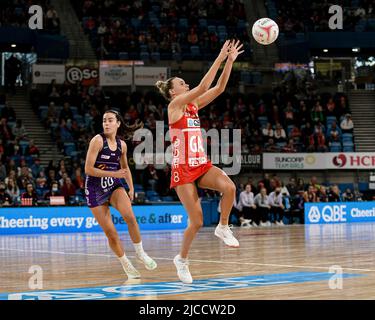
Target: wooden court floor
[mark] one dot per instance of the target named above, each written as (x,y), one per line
(297,252)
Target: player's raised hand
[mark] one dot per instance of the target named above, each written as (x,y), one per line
(224,51)
(234,50)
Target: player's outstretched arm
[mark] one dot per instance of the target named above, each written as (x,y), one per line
(205,83)
(213,93)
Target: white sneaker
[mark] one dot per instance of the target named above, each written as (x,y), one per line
(254,224)
(244,224)
(149,263)
(183,269)
(247,220)
(281,223)
(263,224)
(226,234)
(277,223)
(130,271)
(268,223)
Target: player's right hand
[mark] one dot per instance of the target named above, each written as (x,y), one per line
(120,173)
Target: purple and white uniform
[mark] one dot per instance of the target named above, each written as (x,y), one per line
(98,190)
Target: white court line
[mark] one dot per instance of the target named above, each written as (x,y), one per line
(193,260)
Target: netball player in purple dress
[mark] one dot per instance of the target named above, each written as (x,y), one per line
(106,163)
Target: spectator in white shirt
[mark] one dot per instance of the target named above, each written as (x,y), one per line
(347,125)
(263,207)
(247,207)
(277,207)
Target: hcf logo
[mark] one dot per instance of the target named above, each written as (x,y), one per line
(329,213)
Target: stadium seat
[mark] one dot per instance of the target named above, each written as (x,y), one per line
(123,56)
(155,56)
(211,29)
(145,56)
(69,147)
(195,51)
(167,198)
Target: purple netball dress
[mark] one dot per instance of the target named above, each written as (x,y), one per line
(98,190)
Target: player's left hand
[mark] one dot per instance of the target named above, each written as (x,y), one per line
(131,194)
(234,50)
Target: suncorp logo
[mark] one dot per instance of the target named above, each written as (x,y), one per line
(340,160)
(335,213)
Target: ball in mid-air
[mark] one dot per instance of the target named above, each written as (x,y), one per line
(265,31)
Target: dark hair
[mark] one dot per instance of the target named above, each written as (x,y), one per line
(125,131)
(164,87)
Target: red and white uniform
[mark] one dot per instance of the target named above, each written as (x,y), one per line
(189,160)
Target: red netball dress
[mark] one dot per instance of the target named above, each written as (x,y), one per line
(189,160)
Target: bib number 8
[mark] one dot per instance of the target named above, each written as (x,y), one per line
(106,182)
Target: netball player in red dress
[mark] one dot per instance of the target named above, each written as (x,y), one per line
(106,163)
(190,165)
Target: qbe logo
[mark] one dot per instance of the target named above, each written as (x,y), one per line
(336,213)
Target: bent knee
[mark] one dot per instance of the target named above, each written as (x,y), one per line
(196,224)
(229,188)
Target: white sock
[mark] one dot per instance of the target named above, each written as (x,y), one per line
(222,225)
(182,259)
(138,248)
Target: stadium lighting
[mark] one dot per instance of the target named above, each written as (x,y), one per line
(355,49)
(325,50)
(13,45)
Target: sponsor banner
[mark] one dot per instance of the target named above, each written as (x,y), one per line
(253,161)
(319,161)
(339,212)
(80,219)
(115,73)
(84,71)
(294,161)
(147,76)
(350,160)
(45,73)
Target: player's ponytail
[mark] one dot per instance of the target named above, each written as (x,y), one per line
(164,87)
(125,131)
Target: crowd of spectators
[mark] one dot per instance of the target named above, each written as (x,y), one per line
(313,16)
(15,13)
(271,202)
(21,174)
(153,29)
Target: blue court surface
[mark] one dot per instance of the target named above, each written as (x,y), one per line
(167,288)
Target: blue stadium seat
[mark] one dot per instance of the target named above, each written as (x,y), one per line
(183,23)
(145,56)
(151,193)
(344,186)
(330,120)
(211,29)
(155,198)
(222,29)
(69,147)
(362,186)
(138,187)
(143,48)
(167,198)
(123,56)
(155,56)
(23,146)
(195,51)
(347,137)
(202,23)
